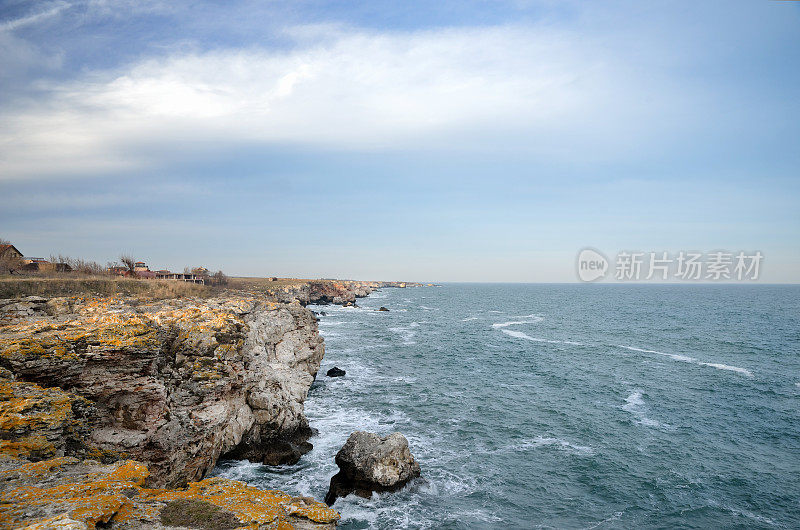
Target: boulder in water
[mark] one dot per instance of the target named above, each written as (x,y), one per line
(368,462)
(335,372)
(382,309)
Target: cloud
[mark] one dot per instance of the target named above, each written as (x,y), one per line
(537,87)
(54,9)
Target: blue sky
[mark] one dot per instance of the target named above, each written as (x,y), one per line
(438,141)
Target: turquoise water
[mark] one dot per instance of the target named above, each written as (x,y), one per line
(565,406)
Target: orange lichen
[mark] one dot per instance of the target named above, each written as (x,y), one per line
(251,505)
(118,495)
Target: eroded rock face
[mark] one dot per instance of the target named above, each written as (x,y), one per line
(368,462)
(174,383)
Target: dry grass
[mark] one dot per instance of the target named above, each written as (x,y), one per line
(16,287)
(264,284)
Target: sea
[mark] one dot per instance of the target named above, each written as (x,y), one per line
(563,406)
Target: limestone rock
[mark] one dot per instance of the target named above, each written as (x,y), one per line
(174,383)
(335,372)
(368,462)
(68,493)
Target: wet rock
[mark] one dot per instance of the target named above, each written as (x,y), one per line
(382,309)
(335,372)
(368,462)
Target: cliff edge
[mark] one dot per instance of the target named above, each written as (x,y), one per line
(149,394)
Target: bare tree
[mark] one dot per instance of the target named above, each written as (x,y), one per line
(78,265)
(219,278)
(129,262)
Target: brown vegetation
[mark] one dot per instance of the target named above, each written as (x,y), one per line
(66,285)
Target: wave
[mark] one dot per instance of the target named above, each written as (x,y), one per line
(521,335)
(468,319)
(719,366)
(558,443)
(692,360)
(406,333)
(529,319)
(635,404)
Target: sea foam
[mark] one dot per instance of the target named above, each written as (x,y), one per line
(529,319)
(635,404)
(692,360)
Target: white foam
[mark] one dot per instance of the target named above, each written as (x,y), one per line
(718,366)
(529,319)
(635,404)
(614,517)
(692,360)
(406,333)
(468,319)
(558,443)
(521,335)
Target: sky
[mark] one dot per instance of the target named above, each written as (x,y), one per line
(476,140)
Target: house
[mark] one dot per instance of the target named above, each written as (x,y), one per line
(42,265)
(140,266)
(117,270)
(9,252)
(179,276)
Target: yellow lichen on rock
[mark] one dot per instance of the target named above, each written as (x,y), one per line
(35,422)
(253,506)
(68,490)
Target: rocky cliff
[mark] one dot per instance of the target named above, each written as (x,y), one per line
(339,292)
(173,384)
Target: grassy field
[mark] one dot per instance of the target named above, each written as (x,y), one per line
(16,287)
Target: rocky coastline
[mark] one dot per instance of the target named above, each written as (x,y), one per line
(129,403)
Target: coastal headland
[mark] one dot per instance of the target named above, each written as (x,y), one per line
(116,402)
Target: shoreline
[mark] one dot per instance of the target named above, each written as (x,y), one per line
(151,394)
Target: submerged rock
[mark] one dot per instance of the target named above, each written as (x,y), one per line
(382,309)
(335,372)
(368,462)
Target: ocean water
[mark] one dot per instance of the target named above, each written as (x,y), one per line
(564,406)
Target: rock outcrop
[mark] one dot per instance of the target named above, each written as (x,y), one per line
(335,372)
(175,383)
(368,462)
(337,292)
(68,493)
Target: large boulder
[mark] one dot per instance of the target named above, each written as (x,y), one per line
(368,462)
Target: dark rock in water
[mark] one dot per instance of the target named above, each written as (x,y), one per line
(336,372)
(323,313)
(382,309)
(368,462)
(285,452)
(349,304)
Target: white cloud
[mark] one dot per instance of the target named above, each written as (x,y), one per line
(337,88)
(54,9)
